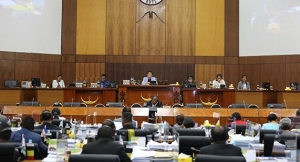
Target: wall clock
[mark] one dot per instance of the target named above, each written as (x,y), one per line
(151,2)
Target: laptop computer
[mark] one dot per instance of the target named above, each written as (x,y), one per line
(153,83)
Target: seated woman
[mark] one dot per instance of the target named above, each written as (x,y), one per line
(272,123)
(188,123)
(218,81)
(238,118)
(149,78)
(243,84)
(190,80)
(285,126)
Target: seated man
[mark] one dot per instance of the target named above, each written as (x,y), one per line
(154,102)
(220,147)
(46,118)
(179,121)
(127,121)
(127,109)
(5,131)
(104,144)
(27,127)
(188,122)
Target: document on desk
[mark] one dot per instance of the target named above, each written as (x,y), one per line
(141,154)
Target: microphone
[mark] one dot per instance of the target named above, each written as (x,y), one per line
(194,149)
(196,104)
(244,104)
(285,104)
(32,101)
(72,102)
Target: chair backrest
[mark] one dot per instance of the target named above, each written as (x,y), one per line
(57,122)
(240,129)
(53,132)
(190,132)
(37,153)
(178,105)
(265,131)
(83,104)
(99,105)
(136,105)
(57,104)
(113,84)
(94,158)
(186,142)
(268,144)
(253,106)
(11,83)
(71,104)
(215,158)
(31,103)
(239,105)
(8,152)
(194,105)
(275,105)
(290,137)
(114,104)
(216,106)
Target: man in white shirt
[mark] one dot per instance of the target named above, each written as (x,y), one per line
(59,83)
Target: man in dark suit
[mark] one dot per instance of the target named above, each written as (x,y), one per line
(220,147)
(127,121)
(154,102)
(46,118)
(127,109)
(104,145)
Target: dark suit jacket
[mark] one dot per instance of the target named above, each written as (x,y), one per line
(159,104)
(106,146)
(49,126)
(128,126)
(222,149)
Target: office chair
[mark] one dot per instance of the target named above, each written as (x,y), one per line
(57,104)
(268,144)
(190,132)
(216,106)
(8,152)
(31,103)
(240,129)
(99,105)
(94,158)
(265,131)
(194,105)
(177,105)
(217,158)
(186,142)
(253,106)
(57,122)
(136,105)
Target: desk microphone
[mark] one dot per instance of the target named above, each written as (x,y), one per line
(32,101)
(196,104)
(285,104)
(194,149)
(244,104)
(72,102)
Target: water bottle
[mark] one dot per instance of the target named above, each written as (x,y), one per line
(84,83)
(233,125)
(201,84)
(102,85)
(67,128)
(121,140)
(30,150)
(210,84)
(98,83)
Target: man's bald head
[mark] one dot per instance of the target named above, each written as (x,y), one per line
(219,134)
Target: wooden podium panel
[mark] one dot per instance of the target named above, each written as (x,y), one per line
(97,95)
(47,97)
(224,97)
(10,96)
(291,98)
(260,98)
(130,94)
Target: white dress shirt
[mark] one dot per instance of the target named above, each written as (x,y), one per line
(55,84)
(216,84)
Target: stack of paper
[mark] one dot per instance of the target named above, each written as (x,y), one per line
(141,154)
(241,141)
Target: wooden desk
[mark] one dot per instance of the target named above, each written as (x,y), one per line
(130,94)
(10,96)
(260,98)
(290,98)
(224,97)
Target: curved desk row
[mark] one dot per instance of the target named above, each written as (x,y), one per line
(92,114)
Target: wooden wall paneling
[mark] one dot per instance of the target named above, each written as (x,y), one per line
(209,60)
(8,55)
(25,70)
(90,59)
(253,73)
(68,71)
(292,73)
(180,27)
(230,74)
(91,72)
(28,56)
(231,28)
(150,32)
(250,60)
(91,23)
(178,72)
(120,27)
(49,71)
(68,33)
(7,71)
(269,73)
(50,58)
(272,59)
(135,59)
(207,72)
(209,34)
